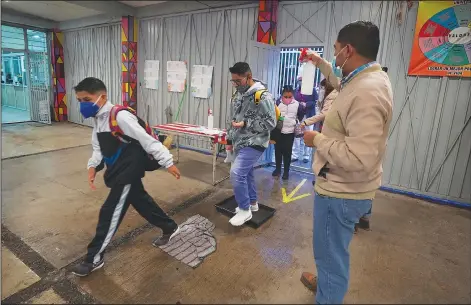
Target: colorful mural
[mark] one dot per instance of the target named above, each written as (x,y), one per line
(267,18)
(129,61)
(58,76)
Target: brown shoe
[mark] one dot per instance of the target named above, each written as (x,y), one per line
(309,280)
(364,223)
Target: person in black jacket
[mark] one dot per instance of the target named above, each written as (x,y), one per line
(125,167)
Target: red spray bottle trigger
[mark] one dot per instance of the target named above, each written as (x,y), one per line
(303,54)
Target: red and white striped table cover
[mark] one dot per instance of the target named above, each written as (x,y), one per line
(182,128)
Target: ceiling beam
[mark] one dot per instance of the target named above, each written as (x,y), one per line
(15,17)
(112,8)
(176,7)
(89,21)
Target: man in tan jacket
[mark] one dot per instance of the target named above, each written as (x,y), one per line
(349,153)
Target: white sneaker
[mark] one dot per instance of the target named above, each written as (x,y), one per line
(229,157)
(241,218)
(253,208)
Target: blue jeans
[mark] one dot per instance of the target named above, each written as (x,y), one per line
(334,224)
(242,178)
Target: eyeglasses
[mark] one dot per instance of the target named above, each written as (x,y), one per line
(237,82)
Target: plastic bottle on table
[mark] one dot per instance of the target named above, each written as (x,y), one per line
(210,119)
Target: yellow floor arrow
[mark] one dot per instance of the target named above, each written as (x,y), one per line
(289,198)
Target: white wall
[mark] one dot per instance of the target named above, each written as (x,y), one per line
(218,38)
(92,52)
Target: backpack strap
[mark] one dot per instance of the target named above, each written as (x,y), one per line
(258,95)
(116,130)
(114,127)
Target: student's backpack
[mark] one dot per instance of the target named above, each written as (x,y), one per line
(151,163)
(258,96)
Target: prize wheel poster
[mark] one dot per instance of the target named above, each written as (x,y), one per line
(442,42)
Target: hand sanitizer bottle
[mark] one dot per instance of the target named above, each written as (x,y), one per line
(210,119)
(307,85)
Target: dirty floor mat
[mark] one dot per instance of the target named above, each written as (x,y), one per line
(193,243)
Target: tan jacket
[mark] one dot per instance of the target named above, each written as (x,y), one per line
(353,139)
(321,116)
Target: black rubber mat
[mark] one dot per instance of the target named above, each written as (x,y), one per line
(228,206)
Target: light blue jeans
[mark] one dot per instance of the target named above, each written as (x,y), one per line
(242,177)
(334,224)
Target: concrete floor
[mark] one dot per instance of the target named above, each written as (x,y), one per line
(32,138)
(416,252)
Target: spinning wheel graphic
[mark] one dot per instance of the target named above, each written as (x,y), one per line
(445,38)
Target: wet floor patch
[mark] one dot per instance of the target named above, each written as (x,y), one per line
(193,243)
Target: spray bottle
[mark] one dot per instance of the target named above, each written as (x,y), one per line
(309,68)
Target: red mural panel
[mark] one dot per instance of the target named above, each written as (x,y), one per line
(57,68)
(129,61)
(267,18)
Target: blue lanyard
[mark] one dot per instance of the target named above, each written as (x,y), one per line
(354,73)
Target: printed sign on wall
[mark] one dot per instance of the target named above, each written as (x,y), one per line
(442,42)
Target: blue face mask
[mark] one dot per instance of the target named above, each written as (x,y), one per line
(338,70)
(89,109)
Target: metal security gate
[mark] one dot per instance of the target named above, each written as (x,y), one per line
(39,88)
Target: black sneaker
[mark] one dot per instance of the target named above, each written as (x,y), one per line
(285,176)
(84,268)
(276,173)
(165,238)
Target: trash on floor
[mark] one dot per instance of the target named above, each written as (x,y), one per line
(193,243)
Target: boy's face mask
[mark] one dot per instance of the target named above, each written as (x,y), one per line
(89,109)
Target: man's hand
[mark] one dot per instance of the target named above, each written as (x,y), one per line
(309,137)
(91,178)
(312,56)
(173,170)
(238,124)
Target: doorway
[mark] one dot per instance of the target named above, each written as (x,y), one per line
(25,75)
(289,72)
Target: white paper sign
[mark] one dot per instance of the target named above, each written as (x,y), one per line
(201,80)
(176,76)
(151,74)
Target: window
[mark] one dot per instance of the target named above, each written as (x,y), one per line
(13,38)
(36,41)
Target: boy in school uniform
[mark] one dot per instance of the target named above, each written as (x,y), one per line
(126,155)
